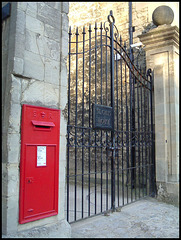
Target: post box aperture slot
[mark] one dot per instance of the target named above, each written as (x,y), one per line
(40,125)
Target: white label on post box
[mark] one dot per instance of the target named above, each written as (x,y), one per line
(41,156)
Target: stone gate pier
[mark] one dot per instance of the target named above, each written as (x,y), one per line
(34,52)
(162,56)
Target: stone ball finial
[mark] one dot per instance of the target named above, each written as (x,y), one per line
(162,15)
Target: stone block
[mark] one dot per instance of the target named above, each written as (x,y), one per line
(33,65)
(31,44)
(15,90)
(19,45)
(13,181)
(52,33)
(63,147)
(56,5)
(48,48)
(12,214)
(161,169)
(13,143)
(4,179)
(65,22)
(40,93)
(64,44)
(65,7)
(34,25)
(20,22)
(51,95)
(160,109)
(52,71)
(48,15)
(33,91)
(22,5)
(15,118)
(31,9)
(63,96)
(63,125)
(18,65)
(54,48)
(63,73)
(4,215)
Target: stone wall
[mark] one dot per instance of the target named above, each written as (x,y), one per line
(98,12)
(35,43)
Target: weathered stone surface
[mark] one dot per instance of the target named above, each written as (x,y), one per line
(59,230)
(20,45)
(48,15)
(13,151)
(20,22)
(163,15)
(16,90)
(31,9)
(18,65)
(56,5)
(14,119)
(52,71)
(34,25)
(33,65)
(40,92)
(65,7)
(52,33)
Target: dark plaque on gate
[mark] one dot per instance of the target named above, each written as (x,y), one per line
(102,117)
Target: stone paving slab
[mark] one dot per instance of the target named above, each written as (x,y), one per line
(146,218)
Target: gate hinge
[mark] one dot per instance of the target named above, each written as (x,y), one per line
(6,11)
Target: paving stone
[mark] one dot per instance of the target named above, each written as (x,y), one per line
(143,219)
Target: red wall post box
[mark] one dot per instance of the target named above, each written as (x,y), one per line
(39,163)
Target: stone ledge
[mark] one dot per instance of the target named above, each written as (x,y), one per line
(61,229)
(163,35)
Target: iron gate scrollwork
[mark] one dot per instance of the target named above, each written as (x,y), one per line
(110,136)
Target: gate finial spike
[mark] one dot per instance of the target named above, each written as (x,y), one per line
(111,16)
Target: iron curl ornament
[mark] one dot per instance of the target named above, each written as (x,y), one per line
(111,20)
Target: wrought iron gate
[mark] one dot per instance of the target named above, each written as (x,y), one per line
(110,143)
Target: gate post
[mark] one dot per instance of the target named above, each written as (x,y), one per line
(112,105)
(162,55)
(34,39)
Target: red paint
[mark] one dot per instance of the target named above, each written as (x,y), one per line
(39,174)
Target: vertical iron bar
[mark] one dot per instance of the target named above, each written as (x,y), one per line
(127,130)
(133,148)
(112,105)
(95,103)
(83,123)
(130,30)
(121,78)
(101,103)
(138,87)
(106,131)
(142,139)
(89,114)
(145,136)
(117,155)
(77,34)
(68,123)
(131,128)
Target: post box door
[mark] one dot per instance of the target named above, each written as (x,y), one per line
(39,164)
